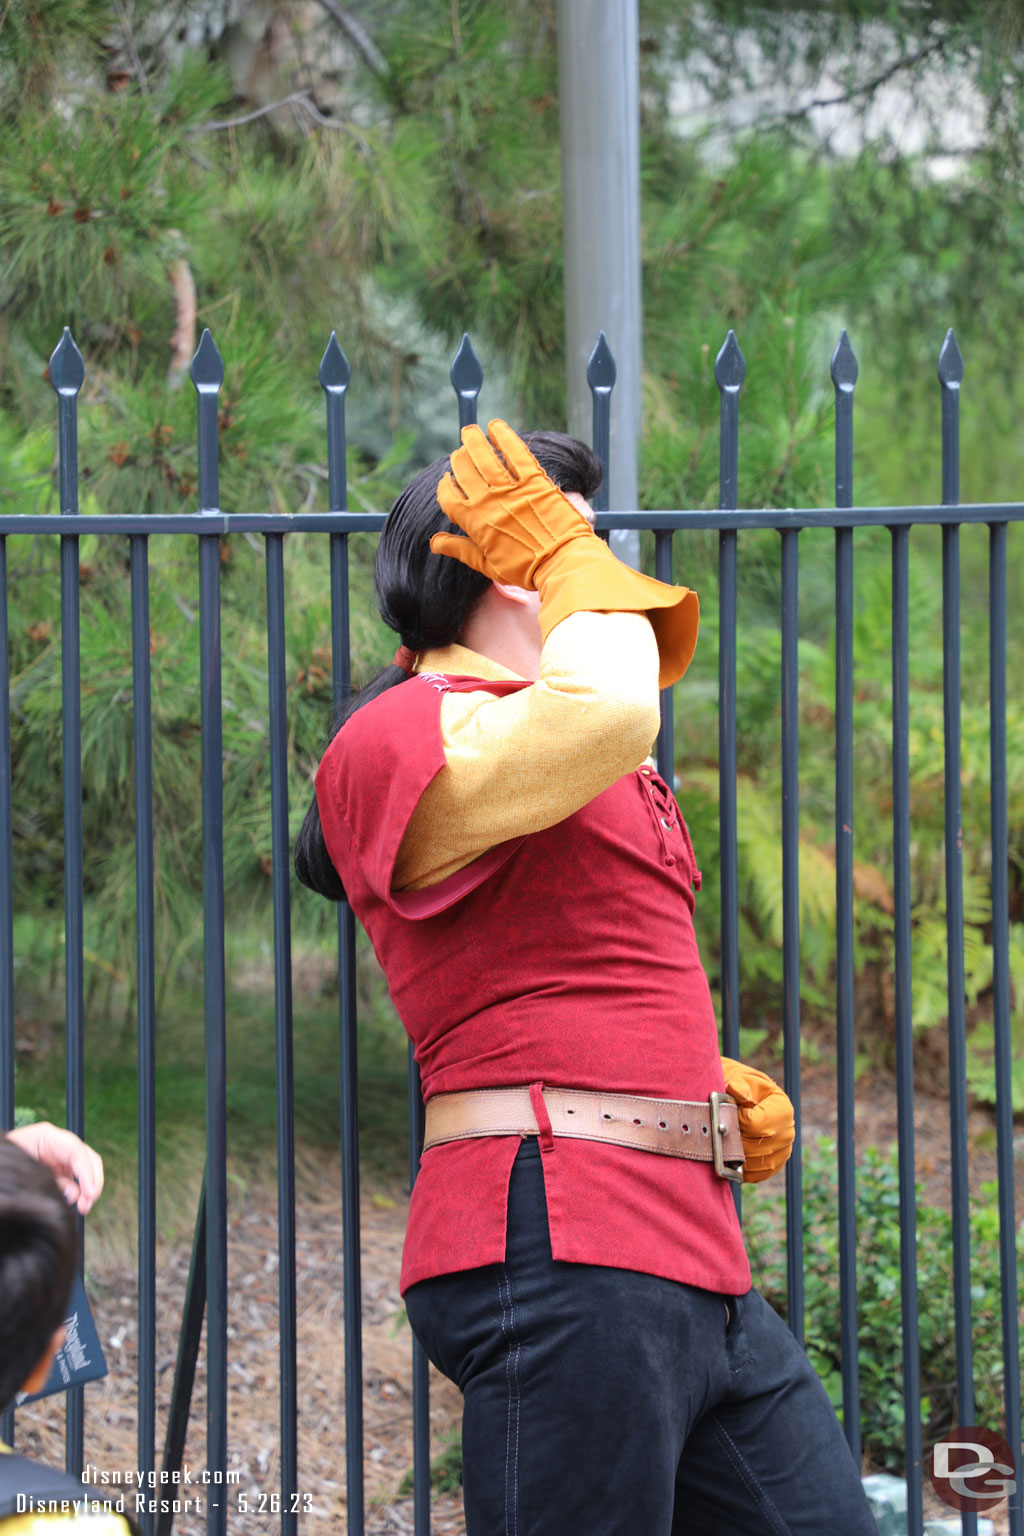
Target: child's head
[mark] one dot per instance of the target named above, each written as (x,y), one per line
(38,1243)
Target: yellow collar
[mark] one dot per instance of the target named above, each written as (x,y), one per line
(459,661)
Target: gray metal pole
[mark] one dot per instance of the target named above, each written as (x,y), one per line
(599,106)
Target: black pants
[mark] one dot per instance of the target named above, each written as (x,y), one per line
(603,1402)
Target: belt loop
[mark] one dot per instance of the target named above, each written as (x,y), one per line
(540,1109)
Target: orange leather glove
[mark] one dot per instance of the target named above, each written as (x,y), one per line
(522,531)
(766,1119)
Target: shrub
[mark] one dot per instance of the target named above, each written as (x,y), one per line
(878,1295)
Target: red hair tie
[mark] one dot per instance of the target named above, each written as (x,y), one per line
(405,659)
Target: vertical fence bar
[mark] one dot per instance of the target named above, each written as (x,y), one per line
(467,376)
(905,1023)
(207,373)
(146,983)
(1001,1004)
(601,375)
(666,732)
(281,865)
(730,371)
(791,921)
(334,378)
(951,370)
(67,373)
(6,900)
(844,377)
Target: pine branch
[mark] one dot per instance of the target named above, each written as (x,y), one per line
(133,52)
(298,99)
(360,40)
(176,14)
(870,86)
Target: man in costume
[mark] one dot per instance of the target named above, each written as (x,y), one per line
(574,1259)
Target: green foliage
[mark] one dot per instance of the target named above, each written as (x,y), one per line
(445,1468)
(95,212)
(752,248)
(41,39)
(880,1354)
(476,88)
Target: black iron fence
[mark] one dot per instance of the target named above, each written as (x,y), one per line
(207,1287)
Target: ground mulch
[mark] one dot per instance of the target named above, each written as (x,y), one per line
(253,1391)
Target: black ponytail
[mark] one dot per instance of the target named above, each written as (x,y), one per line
(427,599)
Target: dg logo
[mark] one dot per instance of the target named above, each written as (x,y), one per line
(973,1468)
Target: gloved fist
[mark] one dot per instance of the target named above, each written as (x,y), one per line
(514,515)
(767,1125)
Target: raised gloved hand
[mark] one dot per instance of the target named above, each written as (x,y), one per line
(522,530)
(513,512)
(767,1126)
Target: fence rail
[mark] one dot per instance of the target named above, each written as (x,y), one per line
(207,1287)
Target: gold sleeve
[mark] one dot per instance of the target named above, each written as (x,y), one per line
(519,763)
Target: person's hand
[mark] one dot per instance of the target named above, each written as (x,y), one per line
(767,1125)
(76,1167)
(522,531)
(513,513)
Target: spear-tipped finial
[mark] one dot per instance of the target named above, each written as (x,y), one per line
(67,370)
(466,373)
(334,369)
(601,370)
(844,368)
(730,365)
(951,363)
(207,370)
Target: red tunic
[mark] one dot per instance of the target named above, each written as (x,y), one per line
(567,957)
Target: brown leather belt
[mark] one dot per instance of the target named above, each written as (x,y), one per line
(706,1131)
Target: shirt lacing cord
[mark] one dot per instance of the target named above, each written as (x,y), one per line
(668,817)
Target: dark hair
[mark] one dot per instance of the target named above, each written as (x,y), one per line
(38,1245)
(426,599)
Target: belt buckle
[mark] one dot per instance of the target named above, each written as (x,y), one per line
(732,1172)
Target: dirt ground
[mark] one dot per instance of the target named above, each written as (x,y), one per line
(253,1343)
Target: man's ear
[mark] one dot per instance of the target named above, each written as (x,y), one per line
(37,1378)
(510,594)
